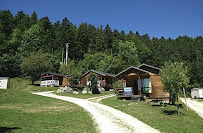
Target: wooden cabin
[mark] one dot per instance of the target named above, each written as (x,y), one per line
(53,79)
(141,81)
(105,80)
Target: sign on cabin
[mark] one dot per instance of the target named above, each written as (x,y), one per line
(128,91)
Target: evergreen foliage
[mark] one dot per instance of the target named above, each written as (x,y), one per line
(91,47)
(93,83)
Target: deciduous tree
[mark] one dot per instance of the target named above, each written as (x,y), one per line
(34,65)
(128,53)
(174,77)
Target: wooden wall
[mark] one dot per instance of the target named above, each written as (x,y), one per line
(83,81)
(157,87)
(85,78)
(65,82)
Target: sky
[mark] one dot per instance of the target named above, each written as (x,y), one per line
(167,18)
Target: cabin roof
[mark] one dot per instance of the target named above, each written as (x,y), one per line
(135,68)
(4,77)
(149,68)
(98,72)
(196,89)
(55,74)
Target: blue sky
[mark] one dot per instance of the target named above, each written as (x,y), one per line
(168,18)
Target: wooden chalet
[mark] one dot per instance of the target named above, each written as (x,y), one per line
(105,80)
(141,81)
(53,79)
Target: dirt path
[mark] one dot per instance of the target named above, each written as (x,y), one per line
(109,120)
(194,105)
(99,98)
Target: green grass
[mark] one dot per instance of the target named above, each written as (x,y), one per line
(21,111)
(85,96)
(199,100)
(24,85)
(164,119)
(18,83)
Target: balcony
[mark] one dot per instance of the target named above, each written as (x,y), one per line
(51,83)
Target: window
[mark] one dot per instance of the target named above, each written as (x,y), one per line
(147,85)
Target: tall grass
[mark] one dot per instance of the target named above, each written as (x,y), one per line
(25,85)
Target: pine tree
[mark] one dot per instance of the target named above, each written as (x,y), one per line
(33,18)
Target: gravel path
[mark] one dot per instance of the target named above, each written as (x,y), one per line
(109,120)
(99,98)
(194,105)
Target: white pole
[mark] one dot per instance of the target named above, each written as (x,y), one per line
(62,56)
(66,54)
(185,99)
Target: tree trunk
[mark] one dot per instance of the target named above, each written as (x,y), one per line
(33,82)
(172,98)
(178,104)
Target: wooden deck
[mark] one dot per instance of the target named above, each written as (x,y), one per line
(121,95)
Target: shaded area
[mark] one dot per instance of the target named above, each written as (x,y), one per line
(169,112)
(157,105)
(35,84)
(8,129)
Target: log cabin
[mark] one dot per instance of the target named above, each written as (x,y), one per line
(53,79)
(105,80)
(142,81)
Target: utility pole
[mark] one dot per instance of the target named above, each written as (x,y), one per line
(185,99)
(67,53)
(62,56)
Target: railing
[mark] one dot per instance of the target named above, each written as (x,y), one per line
(126,91)
(49,83)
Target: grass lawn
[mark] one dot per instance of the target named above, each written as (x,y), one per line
(164,119)
(85,96)
(199,100)
(24,85)
(21,111)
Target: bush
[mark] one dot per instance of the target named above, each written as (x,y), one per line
(18,83)
(93,83)
(117,84)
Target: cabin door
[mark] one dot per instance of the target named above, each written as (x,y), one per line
(135,87)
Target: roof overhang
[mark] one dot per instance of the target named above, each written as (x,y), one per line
(150,68)
(132,71)
(54,74)
(98,72)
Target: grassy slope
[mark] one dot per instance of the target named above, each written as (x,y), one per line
(24,85)
(32,113)
(163,118)
(199,100)
(24,112)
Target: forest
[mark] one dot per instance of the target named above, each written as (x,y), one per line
(90,47)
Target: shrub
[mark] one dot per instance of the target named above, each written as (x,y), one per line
(93,83)
(117,84)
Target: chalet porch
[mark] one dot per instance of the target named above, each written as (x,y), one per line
(136,83)
(104,80)
(53,79)
(139,83)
